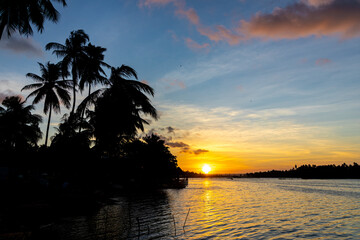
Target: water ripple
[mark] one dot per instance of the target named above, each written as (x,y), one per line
(228,209)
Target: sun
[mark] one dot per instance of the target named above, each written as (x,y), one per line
(206,168)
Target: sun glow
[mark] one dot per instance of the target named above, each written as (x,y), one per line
(206,168)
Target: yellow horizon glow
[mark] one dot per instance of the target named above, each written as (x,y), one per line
(232,143)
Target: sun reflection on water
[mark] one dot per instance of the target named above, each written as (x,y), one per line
(231,209)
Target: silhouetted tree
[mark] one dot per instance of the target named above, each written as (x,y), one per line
(92,71)
(68,137)
(160,163)
(18,15)
(51,88)
(74,56)
(312,171)
(119,108)
(19,128)
(149,161)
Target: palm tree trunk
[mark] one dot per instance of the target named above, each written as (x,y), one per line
(74,75)
(74,97)
(83,113)
(47,128)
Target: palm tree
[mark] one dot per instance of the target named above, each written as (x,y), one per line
(51,88)
(93,72)
(73,53)
(67,137)
(119,109)
(17,15)
(19,128)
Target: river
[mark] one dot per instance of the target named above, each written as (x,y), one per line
(227,209)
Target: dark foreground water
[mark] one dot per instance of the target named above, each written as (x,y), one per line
(227,209)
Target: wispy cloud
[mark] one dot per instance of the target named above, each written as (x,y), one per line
(185,148)
(172,83)
(173,35)
(170,129)
(190,14)
(10,86)
(196,46)
(178,145)
(302,19)
(19,45)
(8,93)
(200,151)
(150,3)
(220,33)
(317,3)
(322,61)
(299,20)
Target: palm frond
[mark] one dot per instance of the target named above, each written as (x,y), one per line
(37,118)
(64,96)
(50,12)
(126,71)
(66,84)
(141,87)
(35,77)
(32,86)
(63,2)
(89,100)
(32,94)
(39,95)
(56,46)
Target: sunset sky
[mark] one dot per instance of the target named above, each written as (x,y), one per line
(241,85)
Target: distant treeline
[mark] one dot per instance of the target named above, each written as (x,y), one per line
(304,171)
(311,171)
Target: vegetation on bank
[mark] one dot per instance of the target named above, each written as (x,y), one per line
(312,171)
(97,144)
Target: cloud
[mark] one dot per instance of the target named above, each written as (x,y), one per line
(299,20)
(8,93)
(170,83)
(302,19)
(182,11)
(180,5)
(194,45)
(185,148)
(170,129)
(155,131)
(149,3)
(199,151)
(220,34)
(177,144)
(317,3)
(190,14)
(173,35)
(19,45)
(10,87)
(322,61)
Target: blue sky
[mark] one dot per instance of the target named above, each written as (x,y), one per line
(243,85)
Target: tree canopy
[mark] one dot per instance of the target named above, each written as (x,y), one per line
(19,128)
(19,15)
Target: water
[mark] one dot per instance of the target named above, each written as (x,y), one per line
(228,209)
